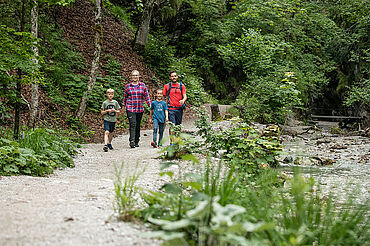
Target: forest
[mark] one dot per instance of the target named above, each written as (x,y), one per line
(271,61)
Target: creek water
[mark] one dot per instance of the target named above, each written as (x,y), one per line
(348,176)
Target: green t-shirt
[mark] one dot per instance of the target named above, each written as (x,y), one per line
(110,116)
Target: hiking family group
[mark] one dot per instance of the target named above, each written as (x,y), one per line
(135,95)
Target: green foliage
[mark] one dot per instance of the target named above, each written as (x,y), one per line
(118,12)
(158,54)
(64,83)
(16,55)
(113,79)
(194,84)
(269,99)
(359,93)
(252,52)
(37,153)
(244,148)
(256,211)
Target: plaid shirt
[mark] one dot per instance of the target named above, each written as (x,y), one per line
(135,96)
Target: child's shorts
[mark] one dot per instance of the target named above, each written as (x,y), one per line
(109,126)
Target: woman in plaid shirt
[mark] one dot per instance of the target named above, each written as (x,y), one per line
(135,94)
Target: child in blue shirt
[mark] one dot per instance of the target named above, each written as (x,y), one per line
(159,117)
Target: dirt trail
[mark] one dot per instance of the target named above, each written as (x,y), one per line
(74,206)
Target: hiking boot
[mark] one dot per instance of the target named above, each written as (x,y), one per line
(132,144)
(154,145)
(110,146)
(105,148)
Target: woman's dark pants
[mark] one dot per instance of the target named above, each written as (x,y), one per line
(134,122)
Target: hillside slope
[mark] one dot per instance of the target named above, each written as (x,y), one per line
(77,23)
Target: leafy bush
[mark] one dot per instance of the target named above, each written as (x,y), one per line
(37,153)
(158,54)
(268,99)
(258,213)
(245,148)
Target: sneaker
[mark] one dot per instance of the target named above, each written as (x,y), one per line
(132,144)
(105,148)
(159,145)
(110,146)
(154,145)
(136,145)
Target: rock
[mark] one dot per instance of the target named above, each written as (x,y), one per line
(337,146)
(327,161)
(317,161)
(318,142)
(288,159)
(366,132)
(304,161)
(363,159)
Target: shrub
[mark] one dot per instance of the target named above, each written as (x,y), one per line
(37,153)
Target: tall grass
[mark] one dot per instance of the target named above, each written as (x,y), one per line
(303,216)
(125,191)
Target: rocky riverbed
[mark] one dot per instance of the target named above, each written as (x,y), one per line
(340,164)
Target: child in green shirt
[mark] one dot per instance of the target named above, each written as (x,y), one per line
(109,109)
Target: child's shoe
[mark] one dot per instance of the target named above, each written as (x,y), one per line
(154,145)
(105,148)
(110,146)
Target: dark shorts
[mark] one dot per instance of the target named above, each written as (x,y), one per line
(175,116)
(109,126)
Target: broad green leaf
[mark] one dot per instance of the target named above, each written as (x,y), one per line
(172,188)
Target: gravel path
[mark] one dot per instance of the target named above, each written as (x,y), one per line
(74,206)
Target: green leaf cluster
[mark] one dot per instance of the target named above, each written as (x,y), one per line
(38,153)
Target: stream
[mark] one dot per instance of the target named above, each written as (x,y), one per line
(339,164)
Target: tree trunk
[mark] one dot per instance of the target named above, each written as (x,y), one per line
(95,63)
(141,37)
(35,86)
(18,89)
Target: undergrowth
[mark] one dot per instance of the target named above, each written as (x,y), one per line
(230,198)
(38,152)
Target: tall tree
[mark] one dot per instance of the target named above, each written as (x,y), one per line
(166,9)
(95,63)
(35,86)
(19,72)
(141,36)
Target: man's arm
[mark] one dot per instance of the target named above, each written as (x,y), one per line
(184,98)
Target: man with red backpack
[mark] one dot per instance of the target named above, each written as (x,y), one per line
(175,93)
